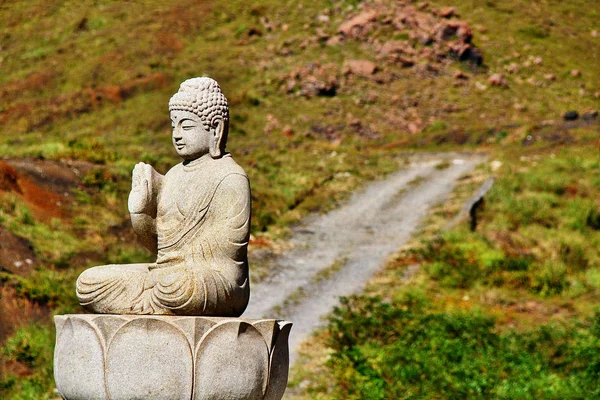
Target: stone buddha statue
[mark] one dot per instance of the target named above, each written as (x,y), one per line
(195,219)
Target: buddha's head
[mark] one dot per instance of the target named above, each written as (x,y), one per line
(200,119)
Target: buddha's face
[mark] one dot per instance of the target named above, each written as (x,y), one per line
(190,137)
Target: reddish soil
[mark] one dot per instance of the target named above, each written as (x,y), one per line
(44,185)
(16,254)
(15,89)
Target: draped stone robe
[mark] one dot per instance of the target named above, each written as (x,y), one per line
(202,227)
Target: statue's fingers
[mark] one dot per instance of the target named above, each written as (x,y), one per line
(135,182)
(136,172)
(149,176)
(144,191)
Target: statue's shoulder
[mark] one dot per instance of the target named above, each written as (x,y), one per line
(228,166)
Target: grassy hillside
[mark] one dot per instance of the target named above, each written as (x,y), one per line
(324,96)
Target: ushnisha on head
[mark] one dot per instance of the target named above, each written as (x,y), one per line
(200,117)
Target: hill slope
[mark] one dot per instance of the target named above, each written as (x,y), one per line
(322,96)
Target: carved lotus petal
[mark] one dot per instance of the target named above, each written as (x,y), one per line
(149,358)
(80,355)
(279,363)
(232,362)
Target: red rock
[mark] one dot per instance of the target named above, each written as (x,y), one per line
(333,41)
(360,67)
(290,85)
(404,61)
(497,80)
(513,68)
(423,22)
(272,124)
(394,46)
(450,29)
(413,128)
(459,75)
(465,52)
(575,73)
(322,36)
(464,32)
(589,115)
(550,77)
(448,12)
(425,39)
(359,20)
(288,131)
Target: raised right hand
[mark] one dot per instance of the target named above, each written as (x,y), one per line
(140,195)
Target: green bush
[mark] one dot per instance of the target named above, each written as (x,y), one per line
(405,350)
(31,346)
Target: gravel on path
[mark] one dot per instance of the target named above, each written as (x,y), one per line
(335,254)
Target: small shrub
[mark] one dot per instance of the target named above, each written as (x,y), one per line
(513,263)
(26,218)
(450,265)
(29,345)
(574,256)
(100,178)
(534,31)
(438,126)
(549,278)
(592,219)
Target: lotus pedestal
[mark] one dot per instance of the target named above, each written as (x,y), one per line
(124,357)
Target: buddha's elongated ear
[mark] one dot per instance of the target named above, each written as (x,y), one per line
(217,136)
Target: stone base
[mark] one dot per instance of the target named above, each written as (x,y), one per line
(124,357)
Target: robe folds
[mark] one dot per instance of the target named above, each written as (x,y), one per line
(202,228)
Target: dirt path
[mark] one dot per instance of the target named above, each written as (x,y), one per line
(335,254)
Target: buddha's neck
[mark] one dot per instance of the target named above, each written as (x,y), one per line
(197,162)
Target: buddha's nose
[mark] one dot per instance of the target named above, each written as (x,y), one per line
(177,134)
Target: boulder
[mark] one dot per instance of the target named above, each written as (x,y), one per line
(357,21)
(359,67)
